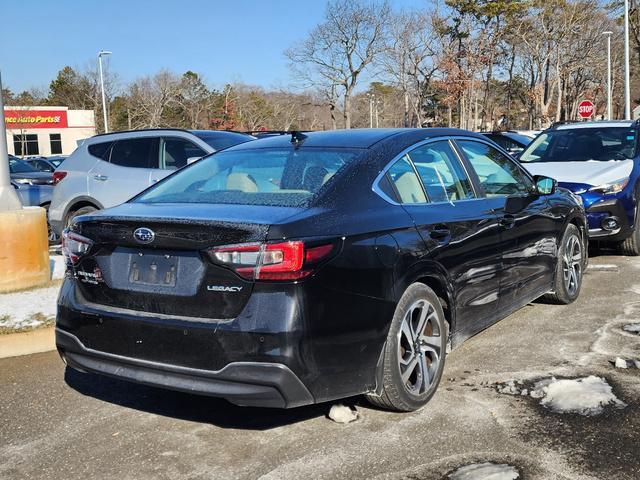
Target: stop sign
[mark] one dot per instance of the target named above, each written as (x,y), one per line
(585,109)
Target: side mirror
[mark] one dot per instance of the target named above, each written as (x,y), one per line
(545,185)
(190,160)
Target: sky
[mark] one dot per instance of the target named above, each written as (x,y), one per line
(224,41)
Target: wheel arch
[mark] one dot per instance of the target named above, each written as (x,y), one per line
(81,202)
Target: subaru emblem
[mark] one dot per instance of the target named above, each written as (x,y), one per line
(144,235)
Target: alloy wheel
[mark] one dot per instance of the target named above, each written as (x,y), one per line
(419,347)
(572,264)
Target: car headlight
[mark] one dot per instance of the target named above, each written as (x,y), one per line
(611,188)
(24,181)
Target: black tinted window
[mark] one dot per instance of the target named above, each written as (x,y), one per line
(176,151)
(136,153)
(100,150)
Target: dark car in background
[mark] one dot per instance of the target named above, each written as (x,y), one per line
(46,164)
(600,161)
(23,173)
(303,268)
(512,142)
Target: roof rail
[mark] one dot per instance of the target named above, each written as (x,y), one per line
(142,130)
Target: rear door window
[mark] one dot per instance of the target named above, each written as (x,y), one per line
(441,172)
(101,150)
(136,153)
(405,182)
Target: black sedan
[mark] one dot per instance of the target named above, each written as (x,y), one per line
(303,268)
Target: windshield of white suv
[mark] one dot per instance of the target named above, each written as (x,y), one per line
(284,177)
(582,144)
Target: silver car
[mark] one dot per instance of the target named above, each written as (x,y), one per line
(109,169)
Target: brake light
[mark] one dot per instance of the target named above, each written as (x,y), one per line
(74,246)
(58,176)
(271,261)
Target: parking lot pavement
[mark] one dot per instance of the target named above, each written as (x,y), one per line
(70,425)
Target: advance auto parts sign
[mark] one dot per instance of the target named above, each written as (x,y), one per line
(23,119)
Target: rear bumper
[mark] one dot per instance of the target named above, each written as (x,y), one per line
(243,383)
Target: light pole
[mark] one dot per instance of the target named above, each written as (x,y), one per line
(8,197)
(627,86)
(102,53)
(371,97)
(608,34)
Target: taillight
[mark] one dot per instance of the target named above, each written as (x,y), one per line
(58,176)
(271,261)
(74,246)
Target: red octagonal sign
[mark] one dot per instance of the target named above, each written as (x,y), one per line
(585,109)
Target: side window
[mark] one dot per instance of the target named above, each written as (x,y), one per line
(441,172)
(498,174)
(176,151)
(406,182)
(100,150)
(136,153)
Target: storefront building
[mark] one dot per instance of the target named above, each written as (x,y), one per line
(46,131)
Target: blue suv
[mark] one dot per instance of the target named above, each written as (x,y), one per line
(600,162)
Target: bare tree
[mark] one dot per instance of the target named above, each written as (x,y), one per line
(336,52)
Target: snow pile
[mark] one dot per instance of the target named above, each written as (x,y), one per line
(632,327)
(57,266)
(603,267)
(29,309)
(342,414)
(585,396)
(620,363)
(485,471)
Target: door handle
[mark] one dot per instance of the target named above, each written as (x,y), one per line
(100,178)
(507,221)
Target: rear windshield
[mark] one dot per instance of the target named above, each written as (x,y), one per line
(221,140)
(582,144)
(18,166)
(285,177)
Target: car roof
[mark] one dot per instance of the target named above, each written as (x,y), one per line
(147,131)
(353,138)
(595,124)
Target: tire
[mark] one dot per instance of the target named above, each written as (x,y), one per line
(630,246)
(77,213)
(569,268)
(405,387)
(53,237)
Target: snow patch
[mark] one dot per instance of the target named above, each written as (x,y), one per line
(620,363)
(632,327)
(57,266)
(585,396)
(603,267)
(29,309)
(485,471)
(342,414)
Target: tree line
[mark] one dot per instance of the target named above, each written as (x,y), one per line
(474,64)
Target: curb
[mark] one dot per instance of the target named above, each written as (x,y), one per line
(26,343)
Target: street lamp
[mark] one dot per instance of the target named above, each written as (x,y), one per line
(102,53)
(608,35)
(627,86)
(371,98)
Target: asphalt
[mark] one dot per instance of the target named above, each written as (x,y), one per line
(56,424)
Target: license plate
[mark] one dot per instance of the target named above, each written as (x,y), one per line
(153,270)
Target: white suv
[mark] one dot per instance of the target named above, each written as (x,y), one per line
(109,169)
